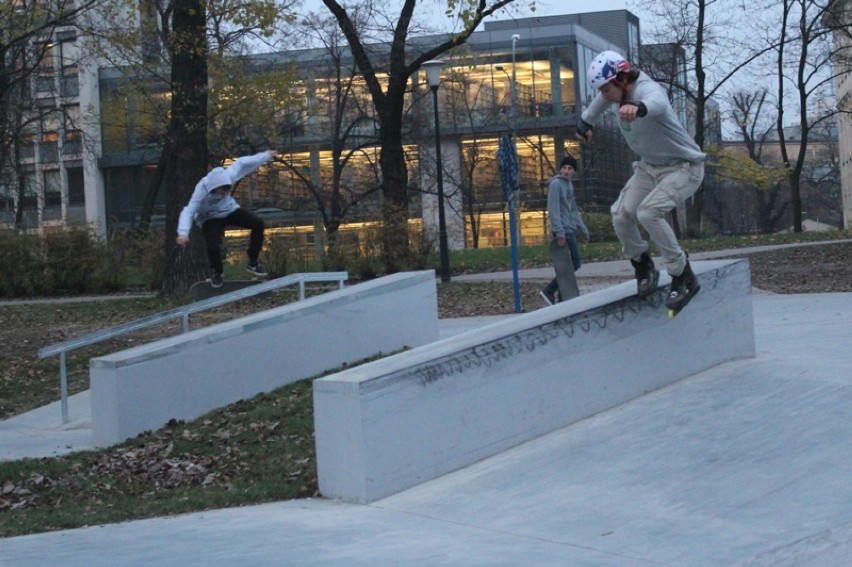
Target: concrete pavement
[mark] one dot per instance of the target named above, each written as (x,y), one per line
(745,464)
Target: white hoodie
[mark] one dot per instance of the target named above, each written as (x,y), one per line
(204,204)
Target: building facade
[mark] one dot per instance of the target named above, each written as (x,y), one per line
(523,77)
(841,12)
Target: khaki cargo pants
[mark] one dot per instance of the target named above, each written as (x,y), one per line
(647,197)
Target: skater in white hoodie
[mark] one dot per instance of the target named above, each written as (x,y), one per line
(213,207)
(669,171)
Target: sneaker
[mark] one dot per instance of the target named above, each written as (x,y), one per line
(216,280)
(548,298)
(256,269)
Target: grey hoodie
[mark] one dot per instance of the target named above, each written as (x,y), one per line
(658,138)
(562,208)
(205,205)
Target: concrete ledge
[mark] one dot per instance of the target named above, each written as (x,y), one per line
(391,424)
(185,376)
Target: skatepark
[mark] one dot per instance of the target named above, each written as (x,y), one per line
(742,461)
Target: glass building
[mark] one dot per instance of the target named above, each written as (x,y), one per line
(327,146)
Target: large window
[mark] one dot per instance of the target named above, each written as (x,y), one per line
(29,201)
(633,43)
(52,195)
(307,179)
(585,56)
(132,119)
(485,205)
(564,75)
(125,188)
(72,133)
(476,92)
(69,56)
(76,189)
(49,138)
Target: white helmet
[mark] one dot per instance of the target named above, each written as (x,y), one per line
(605,67)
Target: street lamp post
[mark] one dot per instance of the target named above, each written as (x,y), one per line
(511,194)
(515,38)
(433,78)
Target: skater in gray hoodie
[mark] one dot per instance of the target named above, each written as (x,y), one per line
(669,171)
(213,207)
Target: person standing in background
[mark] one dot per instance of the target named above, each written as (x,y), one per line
(565,221)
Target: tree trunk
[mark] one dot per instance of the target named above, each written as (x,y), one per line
(697,209)
(394,231)
(187,134)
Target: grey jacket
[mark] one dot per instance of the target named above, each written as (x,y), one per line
(562,209)
(658,138)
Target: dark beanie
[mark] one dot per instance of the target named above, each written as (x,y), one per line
(568,160)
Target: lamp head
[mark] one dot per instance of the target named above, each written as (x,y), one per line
(433,72)
(516,37)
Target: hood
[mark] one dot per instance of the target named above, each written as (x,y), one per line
(217,178)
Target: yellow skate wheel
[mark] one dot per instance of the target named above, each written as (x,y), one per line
(672,313)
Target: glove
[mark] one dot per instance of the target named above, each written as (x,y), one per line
(583,128)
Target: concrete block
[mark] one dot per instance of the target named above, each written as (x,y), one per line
(185,376)
(394,423)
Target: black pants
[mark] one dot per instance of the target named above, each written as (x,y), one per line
(214,232)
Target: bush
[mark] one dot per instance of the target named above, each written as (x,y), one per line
(141,257)
(75,261)
(361,254)
(600,227)
(23,264)
(279,256)
(71,261)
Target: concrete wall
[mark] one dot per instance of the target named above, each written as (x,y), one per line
(397,422)
(185,376)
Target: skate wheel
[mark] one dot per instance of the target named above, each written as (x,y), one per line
(672,313)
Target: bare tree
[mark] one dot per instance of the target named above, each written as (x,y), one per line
(804,62)
(470,105)
(701,36)
(754,172)
(708,34)
(823,194)
(339,111)
(387,74)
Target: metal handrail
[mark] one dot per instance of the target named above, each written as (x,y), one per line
(183,312)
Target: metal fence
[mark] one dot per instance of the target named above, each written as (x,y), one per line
(182,312)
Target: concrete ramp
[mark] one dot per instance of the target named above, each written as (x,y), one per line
(397,422)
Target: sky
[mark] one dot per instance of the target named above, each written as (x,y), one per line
(543,7)
(555,7)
